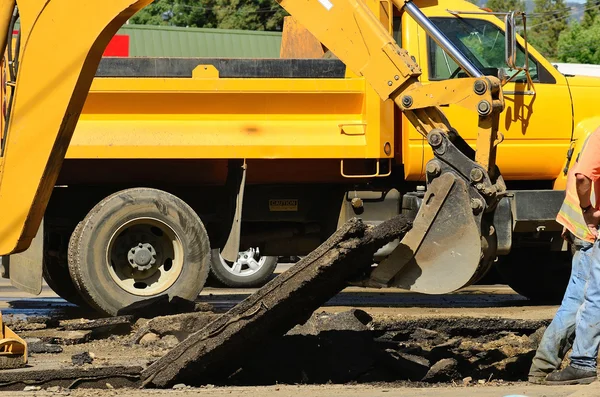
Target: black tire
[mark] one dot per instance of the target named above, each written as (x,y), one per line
(538,274)
(229,279)
(154,219)
(55,270)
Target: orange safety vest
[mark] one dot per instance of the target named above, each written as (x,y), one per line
(570,215)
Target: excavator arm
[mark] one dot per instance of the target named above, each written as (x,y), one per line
(453,240)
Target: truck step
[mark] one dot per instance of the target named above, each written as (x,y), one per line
(215,351)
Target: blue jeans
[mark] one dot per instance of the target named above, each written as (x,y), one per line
(559,335)
(587,331)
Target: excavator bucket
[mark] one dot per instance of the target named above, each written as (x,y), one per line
(443,250)
(13,350)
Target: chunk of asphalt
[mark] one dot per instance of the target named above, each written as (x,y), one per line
(82,358)
(71,377)
(85,324)
(444,350)
(444,370)
(54,336)
(350,320)
(41,347)
(179,325)
(274,309)
(406,366)
(434,337)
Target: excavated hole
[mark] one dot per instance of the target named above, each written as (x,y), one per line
(460,351)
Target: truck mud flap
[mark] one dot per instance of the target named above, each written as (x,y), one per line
(214,352)
(442,251)
(25,268)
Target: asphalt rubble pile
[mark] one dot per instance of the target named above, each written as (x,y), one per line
(352,347)
(346,347)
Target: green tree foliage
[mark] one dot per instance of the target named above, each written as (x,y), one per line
(549,20)
(506,5)
(580,44)
(592,9)
(224,14)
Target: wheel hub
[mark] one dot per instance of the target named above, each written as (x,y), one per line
(142,257)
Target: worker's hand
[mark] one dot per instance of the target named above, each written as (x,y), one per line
(592,219)
(566,235)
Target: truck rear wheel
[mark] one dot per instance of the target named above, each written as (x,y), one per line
(250,270)
(536,273)
(139,244)
(55,267)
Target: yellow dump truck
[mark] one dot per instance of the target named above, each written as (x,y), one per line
(177,162)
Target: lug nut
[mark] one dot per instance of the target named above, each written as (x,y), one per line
(357,205)
(434,168)
(476,175)
(407,101)
(479,87)
(484,108)
(357,202)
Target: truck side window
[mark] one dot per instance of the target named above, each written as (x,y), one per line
(481,41)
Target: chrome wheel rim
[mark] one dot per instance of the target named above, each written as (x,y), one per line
(247,264)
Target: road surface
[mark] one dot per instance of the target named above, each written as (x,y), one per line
(476,301)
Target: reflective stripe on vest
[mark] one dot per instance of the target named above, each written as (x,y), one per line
(570,215)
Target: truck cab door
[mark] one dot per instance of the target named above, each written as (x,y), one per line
(536,125)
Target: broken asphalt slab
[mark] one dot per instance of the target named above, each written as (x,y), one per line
(70,378)
(274,309)
(85,324)
(54,336)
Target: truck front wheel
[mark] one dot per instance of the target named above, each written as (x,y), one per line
(536,273)
(136,245)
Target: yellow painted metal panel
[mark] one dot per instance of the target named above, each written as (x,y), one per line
(51,88)
(232,118)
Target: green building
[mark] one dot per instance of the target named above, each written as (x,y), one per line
(170,41)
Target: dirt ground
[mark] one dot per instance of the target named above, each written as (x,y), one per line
(515,390)
(475,342)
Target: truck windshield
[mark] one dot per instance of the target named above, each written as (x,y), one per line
(481,41)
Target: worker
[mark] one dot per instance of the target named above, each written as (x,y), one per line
(582,366)
(558,337)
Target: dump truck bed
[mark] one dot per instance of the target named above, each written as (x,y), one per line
(230,108)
